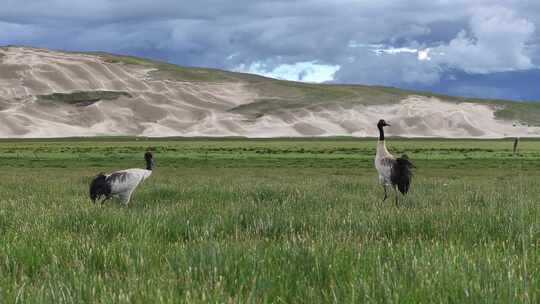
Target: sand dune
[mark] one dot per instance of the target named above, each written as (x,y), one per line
(160,107)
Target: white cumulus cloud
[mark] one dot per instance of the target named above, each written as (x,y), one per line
(309,71)
(496,42)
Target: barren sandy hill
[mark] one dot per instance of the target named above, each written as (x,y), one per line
(46,93)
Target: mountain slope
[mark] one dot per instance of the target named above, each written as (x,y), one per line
(46,93)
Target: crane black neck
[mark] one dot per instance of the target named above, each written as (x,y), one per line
(149,158)
(381,133)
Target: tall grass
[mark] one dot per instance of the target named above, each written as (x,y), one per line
(219,227)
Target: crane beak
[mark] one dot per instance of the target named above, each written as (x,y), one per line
(388,124)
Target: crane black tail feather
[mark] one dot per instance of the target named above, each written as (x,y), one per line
(401,175)
(99,187)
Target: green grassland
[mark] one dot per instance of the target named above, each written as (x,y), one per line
(280,221)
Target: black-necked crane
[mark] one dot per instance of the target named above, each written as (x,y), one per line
(120,183)
(395,172)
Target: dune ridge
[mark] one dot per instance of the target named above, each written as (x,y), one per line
(162,107)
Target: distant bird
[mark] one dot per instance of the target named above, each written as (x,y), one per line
(516,142)
(120,183)
(395,172)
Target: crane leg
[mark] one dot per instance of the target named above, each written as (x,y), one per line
(397,195)
(126,197)
(385,193)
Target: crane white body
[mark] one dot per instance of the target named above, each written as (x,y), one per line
(124,182)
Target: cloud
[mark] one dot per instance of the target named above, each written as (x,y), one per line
(496,42)
(396,68)
(23,32)
(402,43)
(424,54)
(494,39)
(309,71)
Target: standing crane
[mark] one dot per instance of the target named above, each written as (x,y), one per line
(395,172)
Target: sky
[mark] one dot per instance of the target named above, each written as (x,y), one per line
(477,48)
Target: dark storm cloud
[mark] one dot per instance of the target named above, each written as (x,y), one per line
(471,37)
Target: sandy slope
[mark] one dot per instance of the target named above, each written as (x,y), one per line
(172,108)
